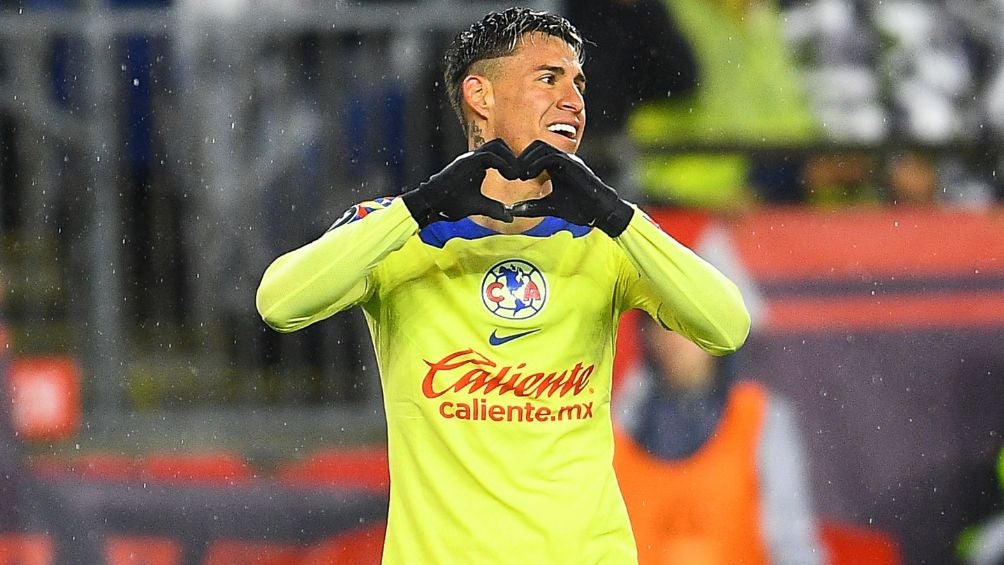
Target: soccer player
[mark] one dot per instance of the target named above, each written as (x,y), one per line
(492,292)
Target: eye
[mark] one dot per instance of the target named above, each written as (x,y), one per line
(549,79)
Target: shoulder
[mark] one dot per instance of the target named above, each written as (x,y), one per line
(363,209)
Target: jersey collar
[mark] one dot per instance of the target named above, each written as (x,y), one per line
(438,233)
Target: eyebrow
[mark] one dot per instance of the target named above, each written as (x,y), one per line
(579,78)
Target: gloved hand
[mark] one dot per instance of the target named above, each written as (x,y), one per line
(455,192)
(577,194)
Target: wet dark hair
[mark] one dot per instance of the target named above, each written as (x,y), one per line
(498,35)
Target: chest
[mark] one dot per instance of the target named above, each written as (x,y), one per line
(504,281)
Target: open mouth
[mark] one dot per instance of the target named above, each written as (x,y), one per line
(565,130)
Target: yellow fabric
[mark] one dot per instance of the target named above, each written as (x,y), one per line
(501,453)
(695,180)
(748,92)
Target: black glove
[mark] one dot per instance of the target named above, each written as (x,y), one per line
(455,192)
(577,194)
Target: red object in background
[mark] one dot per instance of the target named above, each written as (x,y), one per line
(210,468)
(143,550)
(214,468)
(685,225)
(26,549)
(362,468)
(239,552)
(850,544)
(45,395)
(101,466)
(927,268)
(802,243)
(359,547)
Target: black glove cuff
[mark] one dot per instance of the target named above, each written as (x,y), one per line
(419,207)
(617,221)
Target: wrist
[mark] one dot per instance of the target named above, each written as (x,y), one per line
(419,207)
(618,218)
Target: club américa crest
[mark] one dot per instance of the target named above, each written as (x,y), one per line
(514,289)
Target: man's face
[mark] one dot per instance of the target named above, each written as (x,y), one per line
(538,95)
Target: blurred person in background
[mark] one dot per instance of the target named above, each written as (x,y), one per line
(640,55)
(712,466)
(907,70)
(841,179)
(686,420)
(748,93)
(492,292)
(983,21)
(912,180)
(859,178)
(836,45)
(930,63)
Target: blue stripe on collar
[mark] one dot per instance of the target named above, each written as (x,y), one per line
(438,233)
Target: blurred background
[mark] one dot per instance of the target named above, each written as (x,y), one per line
(156,155)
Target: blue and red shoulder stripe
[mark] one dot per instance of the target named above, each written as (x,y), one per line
(361,210)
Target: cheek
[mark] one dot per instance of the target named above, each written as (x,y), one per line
(523,102)
(515,122)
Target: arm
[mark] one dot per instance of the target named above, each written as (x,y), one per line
(789,527)
(694,298)
(686,293)
(716,247)
(330,274)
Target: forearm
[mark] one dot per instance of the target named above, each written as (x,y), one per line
(329,274)
(697,300)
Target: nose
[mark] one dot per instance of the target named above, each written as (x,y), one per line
(572,100)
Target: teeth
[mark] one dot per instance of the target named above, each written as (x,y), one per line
(563,129)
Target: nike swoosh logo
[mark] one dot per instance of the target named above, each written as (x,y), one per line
(496,340)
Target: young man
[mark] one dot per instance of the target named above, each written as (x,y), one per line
(492,293)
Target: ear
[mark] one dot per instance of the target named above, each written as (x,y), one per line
(478,95)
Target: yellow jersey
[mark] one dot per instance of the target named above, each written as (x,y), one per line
(495,355)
